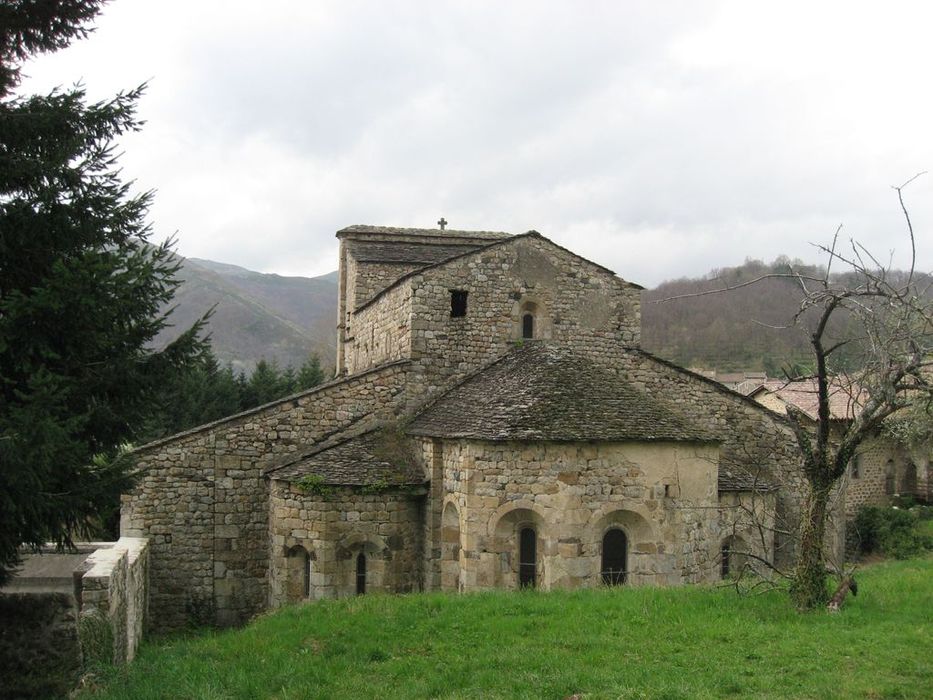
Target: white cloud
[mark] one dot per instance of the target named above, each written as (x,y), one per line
(658,139)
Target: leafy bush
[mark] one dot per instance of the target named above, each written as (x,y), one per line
(893,531)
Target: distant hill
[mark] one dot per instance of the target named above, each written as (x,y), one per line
(735,330)
(284,318)
(257,315)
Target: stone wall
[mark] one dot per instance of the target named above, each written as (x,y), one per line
(380,332)
(370,278)
(202,499)
(746,524)
(317,537)
(882,470)
(573,301)
(63,612)
(39,652)
(660,495)
(113,597)
(754,438)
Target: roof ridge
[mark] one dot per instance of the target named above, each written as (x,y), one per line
(328,443)
(256,409)
(431,266)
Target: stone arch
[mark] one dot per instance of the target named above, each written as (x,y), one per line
(298,563)
(642,546)
(376,555)
(506,527)
(890,478)
(450,548)
(908,485)
(530,318)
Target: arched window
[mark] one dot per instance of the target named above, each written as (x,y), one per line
(528,326)
(360,573)
(725,554)
(889,478)
(527,567)
(615,554)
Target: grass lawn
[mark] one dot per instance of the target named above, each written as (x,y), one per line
(688,642)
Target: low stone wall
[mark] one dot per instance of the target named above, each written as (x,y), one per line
(39,652)
(113,599)
(64,612)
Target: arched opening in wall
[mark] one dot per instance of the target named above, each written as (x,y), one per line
(450,548)
(519,539)
(909,480)
(625,543)
(614,565)
(725,559)
(529,316)
(889,478)
(360,573)
(528,326)
(297,574)
(527,558)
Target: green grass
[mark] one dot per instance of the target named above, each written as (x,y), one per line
(687,642)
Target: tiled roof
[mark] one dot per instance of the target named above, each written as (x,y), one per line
(375,457)
(401,252)
(395,230)
(542,392)
(844,398)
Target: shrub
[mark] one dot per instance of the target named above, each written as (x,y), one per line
(892,531)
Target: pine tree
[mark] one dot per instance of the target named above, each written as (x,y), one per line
(310,374)
(80,294)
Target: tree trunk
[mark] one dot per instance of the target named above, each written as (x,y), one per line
(808,587)
(847,584)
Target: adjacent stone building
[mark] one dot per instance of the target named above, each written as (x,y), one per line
(493,424)
(882,468)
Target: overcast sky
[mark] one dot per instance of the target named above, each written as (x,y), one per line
(660,139)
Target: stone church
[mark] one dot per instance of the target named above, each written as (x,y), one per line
(493,424)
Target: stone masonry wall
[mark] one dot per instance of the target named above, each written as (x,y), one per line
(575,302)
(371,278)
(202,497)
(883,470)
(113,596)
(381,332)
(39,652)
(327,531)
(661,495)
(754,438)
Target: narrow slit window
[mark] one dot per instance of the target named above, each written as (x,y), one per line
(725,566)
(528,326)
(527,558)
(458,303)
(360,573)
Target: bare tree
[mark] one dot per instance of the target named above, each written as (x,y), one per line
(888,328)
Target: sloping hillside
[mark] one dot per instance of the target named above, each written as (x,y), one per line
(257,315)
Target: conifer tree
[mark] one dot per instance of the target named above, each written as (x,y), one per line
(81,291)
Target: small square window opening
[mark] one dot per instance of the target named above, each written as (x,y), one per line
(458,303)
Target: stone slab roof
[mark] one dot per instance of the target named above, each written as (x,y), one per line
(430,232)
(735,479)
(374,457)
(543,392)
(402,252)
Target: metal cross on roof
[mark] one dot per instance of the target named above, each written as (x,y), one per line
(442,222)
